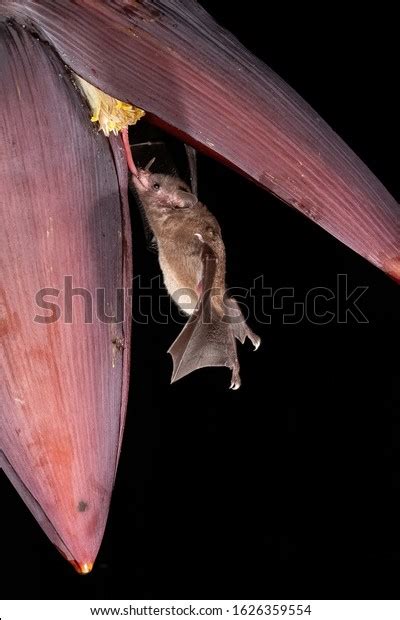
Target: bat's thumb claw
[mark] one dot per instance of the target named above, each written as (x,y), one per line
(256,342)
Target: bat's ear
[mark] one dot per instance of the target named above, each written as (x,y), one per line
(189,199)
(151,162)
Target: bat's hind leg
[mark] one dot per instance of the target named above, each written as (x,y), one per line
(235,380)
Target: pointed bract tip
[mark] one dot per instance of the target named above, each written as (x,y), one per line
(392,268)
(83,568)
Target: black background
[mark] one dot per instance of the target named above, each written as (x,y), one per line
(288,487)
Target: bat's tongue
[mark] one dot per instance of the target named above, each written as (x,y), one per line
(141,180)
(128,152)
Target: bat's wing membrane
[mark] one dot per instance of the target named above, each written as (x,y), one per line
(207,339)
(192,161)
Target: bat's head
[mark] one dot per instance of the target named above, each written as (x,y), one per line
(163,192)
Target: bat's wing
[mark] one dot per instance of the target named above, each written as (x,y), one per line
(192,161)
(209,339)
(205,340)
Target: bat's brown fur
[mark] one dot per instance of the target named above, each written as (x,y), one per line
(192,259)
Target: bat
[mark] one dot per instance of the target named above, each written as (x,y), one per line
(191,254)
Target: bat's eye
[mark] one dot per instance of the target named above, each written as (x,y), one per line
(156,186)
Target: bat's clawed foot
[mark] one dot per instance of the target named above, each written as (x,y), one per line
(240,329)
(235,380)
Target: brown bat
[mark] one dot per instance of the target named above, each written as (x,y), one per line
(192,258)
